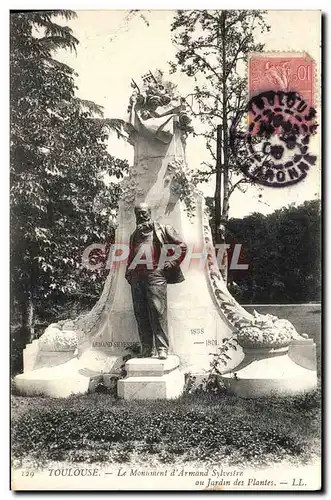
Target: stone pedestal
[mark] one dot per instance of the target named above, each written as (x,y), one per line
(48,359)
(265,372)
(151,378)
(57,381)
(30,356)
(303,352)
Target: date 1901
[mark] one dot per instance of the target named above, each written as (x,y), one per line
(201,331)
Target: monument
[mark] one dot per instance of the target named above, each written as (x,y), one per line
(201,312)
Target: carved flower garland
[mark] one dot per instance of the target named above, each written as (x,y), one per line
(182,182)
(54,339)
(130,188)
(267,331)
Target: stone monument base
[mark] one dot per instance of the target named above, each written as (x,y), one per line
(151,378)
(265,372)
(57,381)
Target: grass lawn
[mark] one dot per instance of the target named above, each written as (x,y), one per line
(223,429)
(99,428)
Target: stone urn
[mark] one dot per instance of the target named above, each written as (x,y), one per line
(267,367)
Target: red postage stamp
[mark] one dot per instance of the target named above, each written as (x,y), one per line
(286,72)
(282,118)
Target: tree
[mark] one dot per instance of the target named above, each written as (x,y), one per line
(212,48)
(58,161)
(283,253)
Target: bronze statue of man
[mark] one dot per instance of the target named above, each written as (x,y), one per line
(156,252)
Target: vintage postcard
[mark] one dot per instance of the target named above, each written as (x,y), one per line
(165,250)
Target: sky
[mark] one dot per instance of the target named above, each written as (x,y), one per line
(116,46)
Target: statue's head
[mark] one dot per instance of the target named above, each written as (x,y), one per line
(143,213)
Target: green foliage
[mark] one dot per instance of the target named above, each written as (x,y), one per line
(283,253)
(58,162)
(99,428)
(221,357)
(212,48)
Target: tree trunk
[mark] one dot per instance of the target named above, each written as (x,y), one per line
(218,185)
(219,228)
(225,167)
(27,319)
(24,334)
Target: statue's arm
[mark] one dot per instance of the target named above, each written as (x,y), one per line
(173,237)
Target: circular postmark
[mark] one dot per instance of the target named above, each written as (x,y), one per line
(274,151)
